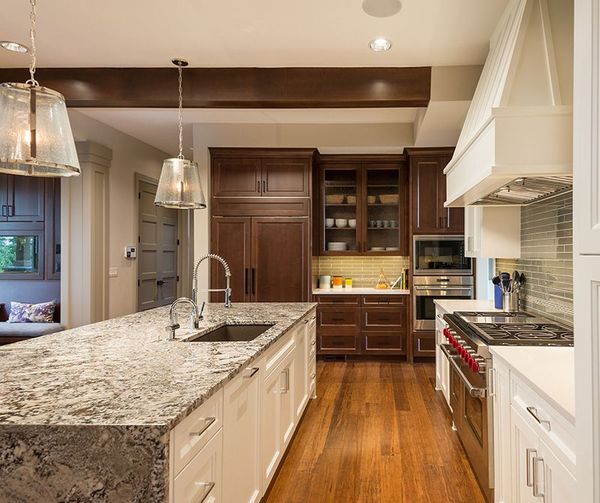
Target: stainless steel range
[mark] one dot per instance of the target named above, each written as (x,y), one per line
(469,335)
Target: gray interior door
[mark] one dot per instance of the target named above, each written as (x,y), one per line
(157,250)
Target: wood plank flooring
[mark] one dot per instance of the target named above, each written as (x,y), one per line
(378,432)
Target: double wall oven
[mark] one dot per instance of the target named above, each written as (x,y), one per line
(440,270)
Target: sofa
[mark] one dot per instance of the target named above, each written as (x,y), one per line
(15,332)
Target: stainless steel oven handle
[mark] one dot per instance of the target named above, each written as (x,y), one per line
(447,350)
(442,288)
(473,390)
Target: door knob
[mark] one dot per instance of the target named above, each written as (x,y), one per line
(160,282)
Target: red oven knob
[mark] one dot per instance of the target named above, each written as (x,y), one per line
(446,332)
(475,367)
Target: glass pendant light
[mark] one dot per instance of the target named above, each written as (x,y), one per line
(179,185)
(35,133)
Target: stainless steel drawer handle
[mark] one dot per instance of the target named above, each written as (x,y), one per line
(207,422)
(313,375)
(536,482)
(251,372)
(544,422)
(208,487)
(528,455)
(283,391)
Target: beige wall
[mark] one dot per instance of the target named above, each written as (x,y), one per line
(129,156)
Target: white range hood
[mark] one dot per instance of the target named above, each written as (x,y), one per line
(516,144)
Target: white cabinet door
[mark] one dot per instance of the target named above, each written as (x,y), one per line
(301,370)
(278,415)
(554,481)
(201,479)
(241,434)
(524,448)
(442,365)
(493,231)
(500,386)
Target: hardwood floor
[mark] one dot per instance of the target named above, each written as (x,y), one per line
(378,432)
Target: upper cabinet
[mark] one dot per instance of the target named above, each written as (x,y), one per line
(261,172)
(428,193)
(21,198)
(362,205)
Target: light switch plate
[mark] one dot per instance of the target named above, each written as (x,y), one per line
(130,252)
(113,272)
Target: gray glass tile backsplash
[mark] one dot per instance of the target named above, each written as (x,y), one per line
(546,258)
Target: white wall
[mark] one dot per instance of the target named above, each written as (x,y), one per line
(328,138)
(129,156)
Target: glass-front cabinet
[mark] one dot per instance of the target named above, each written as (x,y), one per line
(363,205)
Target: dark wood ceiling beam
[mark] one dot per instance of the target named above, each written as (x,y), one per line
(363,87)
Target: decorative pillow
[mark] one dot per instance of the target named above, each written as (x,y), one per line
(31,313)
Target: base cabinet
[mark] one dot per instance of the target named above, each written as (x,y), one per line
(534,445)
(229,448)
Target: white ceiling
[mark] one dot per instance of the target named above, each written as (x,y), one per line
(158,127)
(249,33)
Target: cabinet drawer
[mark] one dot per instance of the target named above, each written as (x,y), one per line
(338,344)
(392,342)
(338,299)
(338,320)
(549,424)
(424,343)
(200,480)
(193,433)
(384,300)
(382,317)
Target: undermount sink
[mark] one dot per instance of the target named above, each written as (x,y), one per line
(231,333)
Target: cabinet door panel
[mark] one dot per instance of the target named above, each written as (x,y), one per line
(4,196)
(285,178)
(303,347)
(524,447)
(241,472)
(557,483)
(230,238)
(280,259)
(26,199)
(425,196)
(236,177)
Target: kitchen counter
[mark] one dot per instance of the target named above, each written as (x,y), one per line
(549,370)
(451,306)
(360,291)
(94,405)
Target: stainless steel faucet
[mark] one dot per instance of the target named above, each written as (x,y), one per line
(173,316)
(227,288)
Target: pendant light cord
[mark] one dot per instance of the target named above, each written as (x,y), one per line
(180,111)
(32,18)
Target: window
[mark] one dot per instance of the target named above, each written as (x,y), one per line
(21,255)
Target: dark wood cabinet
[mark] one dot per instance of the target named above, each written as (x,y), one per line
(428,193)
(22,198)
(362,324)
(261,222)
(362,205)
(423,344)
(231,238)
(249,172)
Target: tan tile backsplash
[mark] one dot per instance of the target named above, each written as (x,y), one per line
(546,258)
(364,271)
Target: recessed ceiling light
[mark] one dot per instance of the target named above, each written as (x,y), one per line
(13,46)
(380,44)
(381,8)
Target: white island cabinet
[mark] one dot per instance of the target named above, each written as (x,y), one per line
(534,426)
(228,449)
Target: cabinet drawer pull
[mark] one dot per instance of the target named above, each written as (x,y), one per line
(208,487)
(283,391)
(528,454)
(4,210)
(536,489)
(251,372)
(337,319)
(207,422)
(544,422)
(313,375)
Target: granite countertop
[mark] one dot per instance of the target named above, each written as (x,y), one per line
(123,371)
(360,291)
(549,370)
(450,305)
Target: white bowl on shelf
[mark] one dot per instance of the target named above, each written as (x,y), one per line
(352,223)
(340,223)
(329,222)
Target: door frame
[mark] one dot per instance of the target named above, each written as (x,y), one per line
(185,255)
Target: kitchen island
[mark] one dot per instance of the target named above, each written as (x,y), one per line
(86,414)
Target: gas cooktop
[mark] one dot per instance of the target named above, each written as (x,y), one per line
(502,328)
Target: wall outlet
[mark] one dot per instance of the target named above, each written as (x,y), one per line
(113,272)
(131,252)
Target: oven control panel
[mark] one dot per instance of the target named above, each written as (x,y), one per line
(475,362)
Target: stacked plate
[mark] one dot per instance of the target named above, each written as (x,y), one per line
(337,246)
